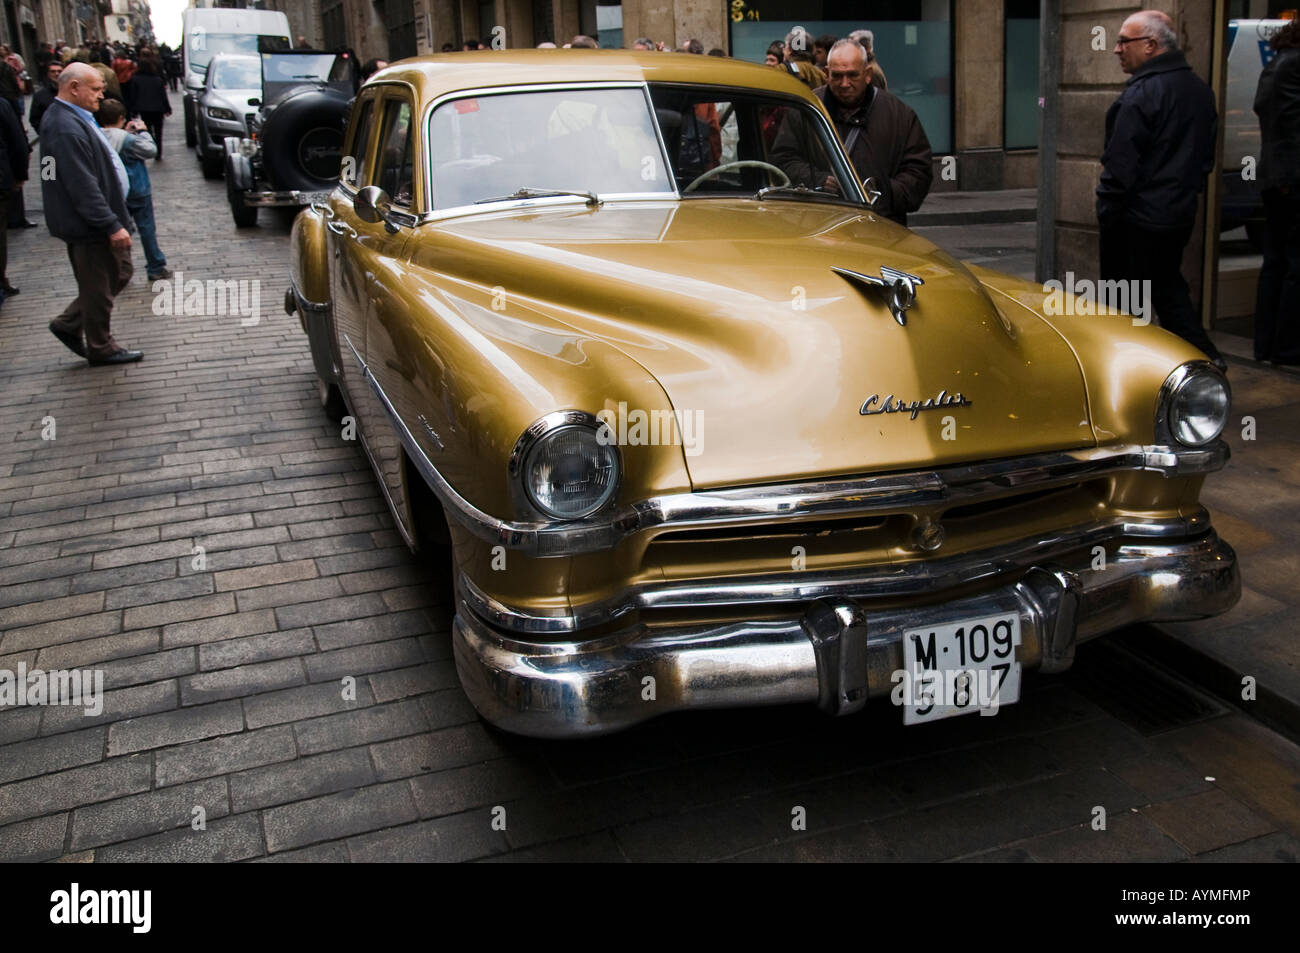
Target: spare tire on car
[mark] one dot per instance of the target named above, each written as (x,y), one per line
(302,139)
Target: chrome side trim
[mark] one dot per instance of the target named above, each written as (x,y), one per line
(882,581)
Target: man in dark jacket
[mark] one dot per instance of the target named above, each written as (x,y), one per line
(881,134)
(45,94)
(13,173)
(1277,103)
(85,206)
(1160,144)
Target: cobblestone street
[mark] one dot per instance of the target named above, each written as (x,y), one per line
(195,528)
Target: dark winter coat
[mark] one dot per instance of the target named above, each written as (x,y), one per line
(1277,103)
(83,198)
(1160,144)
(146,94)
(13,149)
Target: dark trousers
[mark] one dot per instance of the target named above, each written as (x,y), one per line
(4,240)
(101,272)
(17,209)
(1129,253)
(1277,299)
(154,123)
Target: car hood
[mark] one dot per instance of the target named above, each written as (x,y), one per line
(236,99)
(769,354)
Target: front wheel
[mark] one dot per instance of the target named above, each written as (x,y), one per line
(245,216)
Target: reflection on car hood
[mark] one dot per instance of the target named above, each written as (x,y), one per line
(233,99)
(733,307)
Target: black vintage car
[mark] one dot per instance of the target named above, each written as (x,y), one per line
(295,141)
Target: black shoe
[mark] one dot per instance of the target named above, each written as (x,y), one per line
(25,223)
(9,291)
(120,356)
(70,340)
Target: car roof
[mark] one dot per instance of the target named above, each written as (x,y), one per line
(435,76)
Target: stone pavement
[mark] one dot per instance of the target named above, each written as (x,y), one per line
(226,675)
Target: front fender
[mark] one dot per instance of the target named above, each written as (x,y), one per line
(310,278)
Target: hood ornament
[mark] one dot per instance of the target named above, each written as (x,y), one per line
(900,286)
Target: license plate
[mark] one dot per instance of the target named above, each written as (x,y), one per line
(959,668)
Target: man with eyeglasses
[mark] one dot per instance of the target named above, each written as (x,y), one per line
(1160,145)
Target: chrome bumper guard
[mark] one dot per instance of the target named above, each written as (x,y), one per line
(838,653)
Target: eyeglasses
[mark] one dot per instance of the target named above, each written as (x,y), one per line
(1129,39)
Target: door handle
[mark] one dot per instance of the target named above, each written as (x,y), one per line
(338,228)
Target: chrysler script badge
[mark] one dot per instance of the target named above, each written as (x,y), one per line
(900,286)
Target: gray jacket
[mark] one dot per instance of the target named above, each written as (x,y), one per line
(83,198)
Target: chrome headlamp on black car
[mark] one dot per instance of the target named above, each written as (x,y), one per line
(1194,403)
(566,469)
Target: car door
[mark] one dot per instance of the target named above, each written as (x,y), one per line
(346,276)
(367,284)
(391,339)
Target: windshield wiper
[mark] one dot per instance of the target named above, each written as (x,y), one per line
(530,193)
(801,191)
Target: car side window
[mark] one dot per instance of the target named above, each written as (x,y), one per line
(353,168)
(395,166)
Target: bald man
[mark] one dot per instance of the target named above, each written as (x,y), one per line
(85,205)
(1160,145)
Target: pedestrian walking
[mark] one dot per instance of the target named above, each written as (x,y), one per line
(133,144)
(146,97)
(1277,298)
(85,206)
(1160,145)
(13,173)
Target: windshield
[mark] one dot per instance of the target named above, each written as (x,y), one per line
(203,45)
(304,67)
(596,140)
(720,142)
(727,142)
(235,74)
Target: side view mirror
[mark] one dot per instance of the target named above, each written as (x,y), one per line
(873,193)
(372,205)
(253,102)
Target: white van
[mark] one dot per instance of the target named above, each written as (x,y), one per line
(208,32)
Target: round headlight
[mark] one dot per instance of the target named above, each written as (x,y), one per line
(1198,407)
(568,473)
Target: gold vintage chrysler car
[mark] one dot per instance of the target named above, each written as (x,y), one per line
(701,433)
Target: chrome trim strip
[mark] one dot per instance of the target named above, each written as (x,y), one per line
(581,689)
(882,581)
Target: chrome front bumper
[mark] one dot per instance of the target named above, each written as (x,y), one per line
(838,653)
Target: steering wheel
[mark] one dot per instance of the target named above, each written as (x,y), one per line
(742,164)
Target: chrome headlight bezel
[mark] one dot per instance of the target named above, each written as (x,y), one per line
(1179,386)
(536,437)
